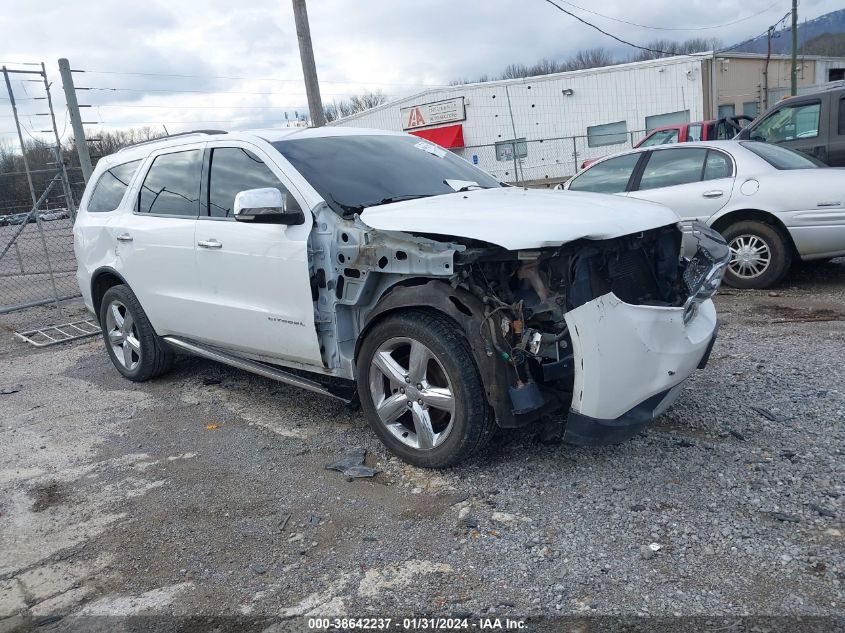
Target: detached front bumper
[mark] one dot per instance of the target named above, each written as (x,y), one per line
(630,364)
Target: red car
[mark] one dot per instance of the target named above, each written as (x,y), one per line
(688,132)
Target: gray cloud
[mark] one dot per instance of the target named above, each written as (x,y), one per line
(395,46)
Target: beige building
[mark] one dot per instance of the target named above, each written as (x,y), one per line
(748,83)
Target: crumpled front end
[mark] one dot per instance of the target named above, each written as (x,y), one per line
(632,360)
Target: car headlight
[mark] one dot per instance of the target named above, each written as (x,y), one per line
(704,271)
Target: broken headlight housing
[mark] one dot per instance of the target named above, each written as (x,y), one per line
(705,268)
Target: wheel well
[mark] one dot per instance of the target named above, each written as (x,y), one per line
(754,215)
(399,308)
(102,281)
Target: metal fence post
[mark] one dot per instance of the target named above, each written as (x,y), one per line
(49,263)
(18,253)
(20,135)
(60,159)
(575,155)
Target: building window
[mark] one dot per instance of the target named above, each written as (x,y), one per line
(726,110)
(749,108)
(607,134)
(836,74)
(508,150)
(669,118)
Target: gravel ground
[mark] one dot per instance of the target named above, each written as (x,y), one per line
(205,492)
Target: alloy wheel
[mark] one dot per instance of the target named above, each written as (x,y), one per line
(122,334)
(750,256)
(411,393)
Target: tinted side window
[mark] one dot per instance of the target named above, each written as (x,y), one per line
(789,123)
(608,176)
(670,167)
(841,129)
(172,185)
(109,190)
(233,170)
(717,165)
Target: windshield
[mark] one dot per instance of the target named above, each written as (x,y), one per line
(355,172)
(661,137)
(782,157)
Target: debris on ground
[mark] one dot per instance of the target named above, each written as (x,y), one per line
(737,435)
(210,381)
(7,391)
(767,414)
(825,512)
(786,518)
(351,464)
(284,521)
(212,427)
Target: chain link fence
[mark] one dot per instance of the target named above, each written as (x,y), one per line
(37,264)
(545,162)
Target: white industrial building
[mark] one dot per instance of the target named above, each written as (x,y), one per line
(553,122)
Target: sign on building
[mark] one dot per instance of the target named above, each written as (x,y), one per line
(446,111)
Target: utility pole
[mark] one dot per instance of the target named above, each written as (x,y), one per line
(765,94)
(75,119)
(793,85)
(309,69)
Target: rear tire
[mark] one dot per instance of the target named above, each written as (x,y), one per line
(133,346)
(760,255)
(421,391)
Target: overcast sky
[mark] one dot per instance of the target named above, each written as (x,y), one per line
(397,46)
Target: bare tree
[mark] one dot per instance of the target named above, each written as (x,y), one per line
(355,103)
(670,47)
(591,58)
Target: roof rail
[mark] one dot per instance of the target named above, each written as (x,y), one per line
(164,138)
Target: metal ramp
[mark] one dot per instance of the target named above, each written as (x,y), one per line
(55,334)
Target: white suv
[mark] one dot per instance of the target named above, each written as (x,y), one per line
(368,264)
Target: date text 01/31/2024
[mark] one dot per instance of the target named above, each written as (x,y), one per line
(417,624)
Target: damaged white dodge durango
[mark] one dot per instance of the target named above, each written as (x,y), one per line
(372,265)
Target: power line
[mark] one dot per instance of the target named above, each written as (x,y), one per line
(751,39)
(646,48)
(210,92)
(669,28)
(611,35)
(182,107)
(187,76)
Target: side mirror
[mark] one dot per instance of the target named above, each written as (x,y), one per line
(266,206)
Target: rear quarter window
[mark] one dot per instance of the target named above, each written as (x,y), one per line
(111,187)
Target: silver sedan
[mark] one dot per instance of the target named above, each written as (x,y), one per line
(770,203)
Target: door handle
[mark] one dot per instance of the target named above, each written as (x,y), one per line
(124,237)
(715,193)
(212,243)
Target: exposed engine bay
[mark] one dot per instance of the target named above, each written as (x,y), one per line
(526,295)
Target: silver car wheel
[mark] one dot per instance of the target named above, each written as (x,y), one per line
(750,256)
(123,335)
(412,394)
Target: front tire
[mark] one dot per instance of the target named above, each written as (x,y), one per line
(133,346)
(421,391)
(760,255)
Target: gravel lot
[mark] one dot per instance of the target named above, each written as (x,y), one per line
(205,492)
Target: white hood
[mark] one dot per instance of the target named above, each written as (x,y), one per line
(515,218)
